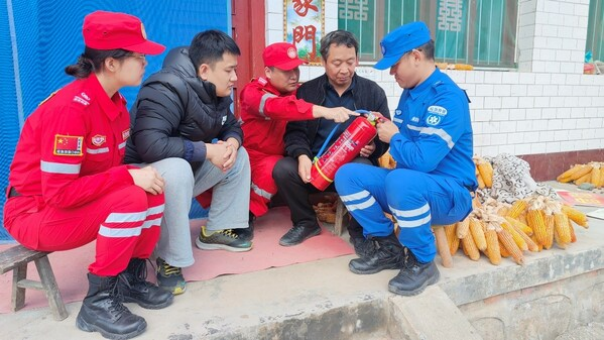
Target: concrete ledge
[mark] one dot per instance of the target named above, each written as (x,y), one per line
(430,315)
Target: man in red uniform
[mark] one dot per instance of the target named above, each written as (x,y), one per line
(267,104)
(68,187)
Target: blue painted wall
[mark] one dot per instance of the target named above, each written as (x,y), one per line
(40,38)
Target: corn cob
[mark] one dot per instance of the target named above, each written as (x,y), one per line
(539,246)
(480,181)
(477,231)
(562,225)
(504,252)
(470,248)
(584,170)
(530,244)
(559,243)
(549,230)
(519,225)
(575,216)
(596,172)
(503,211)
(506,238)
(450,231)
(463,228)
(463,67)
(522,219)
(573,236)
(583,179)
(536,222)
(520,242)
(567,175)
(517,208)
(493,251)
(486,172)
(454,245)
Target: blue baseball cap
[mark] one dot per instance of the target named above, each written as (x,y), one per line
(400,41)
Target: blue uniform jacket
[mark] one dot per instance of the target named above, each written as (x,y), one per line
(435,130)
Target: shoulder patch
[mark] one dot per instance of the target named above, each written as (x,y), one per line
(439,110)
(262,81)
(433,120)
(68,145)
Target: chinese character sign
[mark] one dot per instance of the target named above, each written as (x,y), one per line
(451,28)
(304,25)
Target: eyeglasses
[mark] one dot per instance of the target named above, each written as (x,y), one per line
(139,56)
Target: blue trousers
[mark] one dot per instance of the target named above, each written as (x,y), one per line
(415,199)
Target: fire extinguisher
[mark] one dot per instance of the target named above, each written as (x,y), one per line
(360,132)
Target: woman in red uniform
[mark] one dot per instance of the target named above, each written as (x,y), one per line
(68,187)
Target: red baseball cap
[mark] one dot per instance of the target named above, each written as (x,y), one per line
(282,55)
(109,31)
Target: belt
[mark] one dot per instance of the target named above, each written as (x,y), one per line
(13,193)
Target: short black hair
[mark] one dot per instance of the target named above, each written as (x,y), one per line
(428,49)
(338,37)
(208,47)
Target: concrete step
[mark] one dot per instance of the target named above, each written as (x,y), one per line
(430,315)
(593,331)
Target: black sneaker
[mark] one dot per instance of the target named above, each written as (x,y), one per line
(414,277)
(170,278)
(225,239)
(247,234)
(298,233)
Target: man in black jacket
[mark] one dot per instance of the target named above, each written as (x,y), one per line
(339,86)
(183,126)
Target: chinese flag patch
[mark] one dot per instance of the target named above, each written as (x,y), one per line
(68,145)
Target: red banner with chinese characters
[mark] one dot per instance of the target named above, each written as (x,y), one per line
(589,199)
(303,26)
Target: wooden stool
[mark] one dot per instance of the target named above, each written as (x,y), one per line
(16,259)
(340,216)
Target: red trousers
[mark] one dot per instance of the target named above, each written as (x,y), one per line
(125,224)
(263,185)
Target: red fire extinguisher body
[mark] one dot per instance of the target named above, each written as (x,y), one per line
(348,146)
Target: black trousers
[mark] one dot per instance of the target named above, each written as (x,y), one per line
(296,194)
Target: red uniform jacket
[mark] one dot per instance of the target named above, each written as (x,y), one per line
(71,148)
(265,113)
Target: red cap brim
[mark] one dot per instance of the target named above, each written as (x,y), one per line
(146,47)
(291,64)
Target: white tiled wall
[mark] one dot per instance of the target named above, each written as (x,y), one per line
(547,105)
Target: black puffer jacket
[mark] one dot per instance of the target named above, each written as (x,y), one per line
(368,95)
(174,107)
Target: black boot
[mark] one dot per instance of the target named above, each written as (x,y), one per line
(135,288)
(102,311)
(414,277)
(247,234)
(390,254)
(362,246)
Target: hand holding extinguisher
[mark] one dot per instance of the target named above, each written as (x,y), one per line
(386,129)
(348,146)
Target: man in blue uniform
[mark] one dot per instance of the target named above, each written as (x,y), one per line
(430,139)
